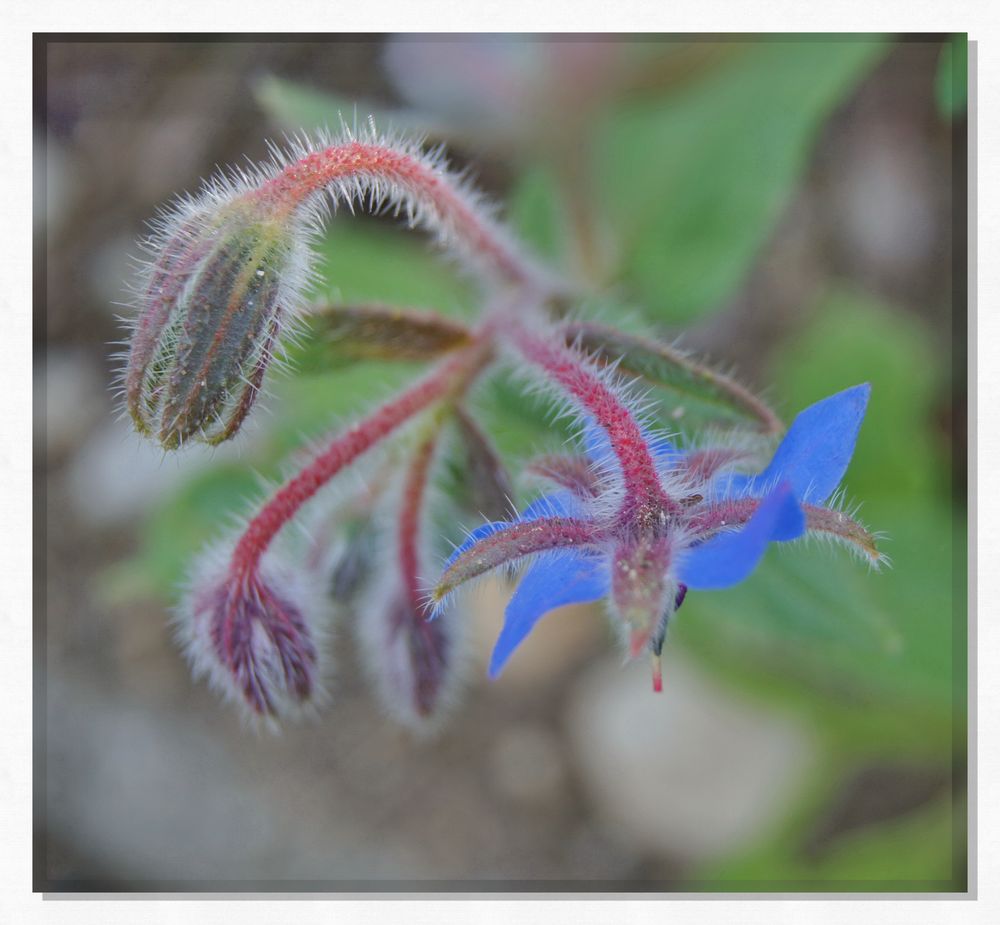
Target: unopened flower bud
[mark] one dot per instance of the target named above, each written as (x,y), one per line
(222,280)
(254,637)
(353,567)
(414,662)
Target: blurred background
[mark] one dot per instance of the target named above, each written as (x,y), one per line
(788,207)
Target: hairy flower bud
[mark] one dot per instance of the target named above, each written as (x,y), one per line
(223,278)
(352,568)
(414,662)
(639,588)
(254,637)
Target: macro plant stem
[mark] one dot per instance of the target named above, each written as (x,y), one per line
(429,186)
(644,494)
(728,513)
(450,378)
(414,493)
(514,542)
(657,362)
(633,518)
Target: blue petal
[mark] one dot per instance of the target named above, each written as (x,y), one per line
(815,453)
(557,504)
(552,581)
(730,557)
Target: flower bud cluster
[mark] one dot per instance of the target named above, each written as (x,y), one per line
(631,518)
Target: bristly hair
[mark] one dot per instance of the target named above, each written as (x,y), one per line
(396,642)
(296,190)
(194,636)
(387,173)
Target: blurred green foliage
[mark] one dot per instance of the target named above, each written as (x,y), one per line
(691,182)
(694,182)
(875,662)
(952,83)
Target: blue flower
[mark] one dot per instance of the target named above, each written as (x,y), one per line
(727,520)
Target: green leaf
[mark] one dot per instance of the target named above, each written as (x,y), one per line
(694,182)
(176,531)
(338,334)
(296,107)
(310,407)
(665,366)
(369,261)
(816,624)
(520,425)
(914,852)
(951,84)
(879,656)
(538,214)
(853,339)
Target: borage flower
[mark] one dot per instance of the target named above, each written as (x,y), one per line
(639,522)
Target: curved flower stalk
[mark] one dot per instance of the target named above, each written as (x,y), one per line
(228,269)
(415,663)
(633,518)
(230,597)
(680,522)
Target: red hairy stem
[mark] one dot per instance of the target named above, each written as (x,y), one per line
(645,499)
(648,359)
(714,517)
(513,543)
(428,185)
(450,377)
(428,644)
(836,524)
(414,489)
(842,527)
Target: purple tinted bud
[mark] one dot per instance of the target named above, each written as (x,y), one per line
(209,314)
(352,569)
(414,662)
(254,638)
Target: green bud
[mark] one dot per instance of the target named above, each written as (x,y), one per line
(208,323)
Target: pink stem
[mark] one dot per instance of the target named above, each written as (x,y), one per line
(450,375)
(429,186)
(414,490)
(644,495)
(724,514)
(515,542)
